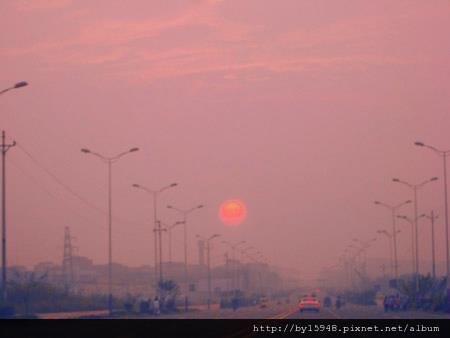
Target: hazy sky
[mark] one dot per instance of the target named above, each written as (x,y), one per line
(304,110)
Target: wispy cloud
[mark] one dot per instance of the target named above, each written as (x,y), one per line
(33,5)
(142,48)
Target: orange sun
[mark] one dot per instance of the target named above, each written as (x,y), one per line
(232,212)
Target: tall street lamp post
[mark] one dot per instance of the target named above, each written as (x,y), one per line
(393,209)
(389,236)
(4,148)
(157,228)
(432,217)
(415,188)
(169,230)
(444,154)
(413,222)
(109,161)
(208,263)
(185,213)
(364,245)
(235,276)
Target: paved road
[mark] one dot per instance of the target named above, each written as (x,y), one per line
(251,312)
(272,311)
(350,311)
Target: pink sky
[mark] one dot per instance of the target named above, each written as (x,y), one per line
(304,110)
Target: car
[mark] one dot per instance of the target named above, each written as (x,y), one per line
(309,303)
(263,302)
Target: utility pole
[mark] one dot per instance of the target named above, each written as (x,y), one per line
(155,195)
(4,148)
(67,260)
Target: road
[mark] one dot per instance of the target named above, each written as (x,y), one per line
(287,311)
(351,311)
(271,311)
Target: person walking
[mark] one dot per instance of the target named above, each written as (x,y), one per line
(156,306)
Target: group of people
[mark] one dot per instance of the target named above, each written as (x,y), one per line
(150,305)
(339,302)
(391,303)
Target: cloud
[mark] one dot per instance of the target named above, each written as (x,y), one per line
(33,5)
(199,40)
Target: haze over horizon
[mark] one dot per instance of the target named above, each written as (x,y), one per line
(303,110)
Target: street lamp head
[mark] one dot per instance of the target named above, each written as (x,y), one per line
(377,202)
(86,151)
(420,144)
(21,84)
(136,185)
(179,222)
(434,179)
(395,180)
(169,207)
(173,185)
(132,150)
(408,201)
(200,206)
(402,216)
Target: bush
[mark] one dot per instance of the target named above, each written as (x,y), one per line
(431,295)
(7,311)
(31,295)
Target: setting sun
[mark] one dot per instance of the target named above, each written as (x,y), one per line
(232,212)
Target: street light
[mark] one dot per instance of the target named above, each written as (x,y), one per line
(245,250)
(169,230)
(109,161)
(415,187)
(235,277)
(432,218)
(157,227)
(444,154)
(4,148)
(393,209)
(185,213)
(16,86)
(413,246)
(390,237)
(363,249)
(208,262)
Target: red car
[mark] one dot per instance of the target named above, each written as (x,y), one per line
(309,303)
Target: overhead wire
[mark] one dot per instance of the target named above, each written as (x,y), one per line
(70,190)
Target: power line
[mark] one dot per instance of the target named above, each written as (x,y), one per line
(75,211)
(58,181)
(71,191)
